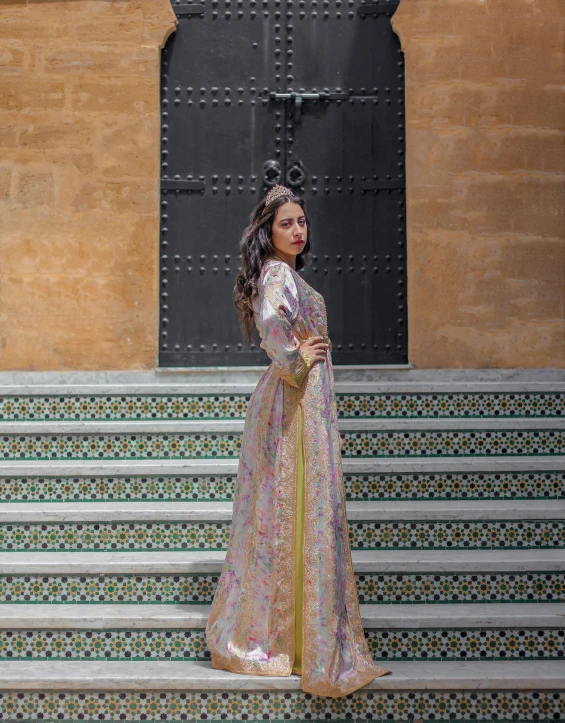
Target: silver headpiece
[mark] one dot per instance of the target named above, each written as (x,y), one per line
(276,192)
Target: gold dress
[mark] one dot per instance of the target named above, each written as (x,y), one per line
(254,625)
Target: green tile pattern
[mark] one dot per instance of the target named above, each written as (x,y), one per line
(119,446)
(114,536)
(408,588)
(461,443)
(457,535)
(369,535)
(277,706)
(178,644)
(206,488)
(410,443)
(84,407)
(199,589)
(474,644)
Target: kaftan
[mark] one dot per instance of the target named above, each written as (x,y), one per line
(251,628)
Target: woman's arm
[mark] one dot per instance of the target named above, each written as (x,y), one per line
(277,308)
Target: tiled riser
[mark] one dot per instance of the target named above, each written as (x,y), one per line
(463,707)
(473,443)
(205,488)
(200,588)
(230,406)
(481,534)
(158,644)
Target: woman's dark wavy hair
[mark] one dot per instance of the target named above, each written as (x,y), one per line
(256,248)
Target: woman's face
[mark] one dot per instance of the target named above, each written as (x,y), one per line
(289,234)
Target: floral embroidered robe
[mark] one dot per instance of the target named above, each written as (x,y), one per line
(251,624)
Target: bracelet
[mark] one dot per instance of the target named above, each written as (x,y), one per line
(306,359)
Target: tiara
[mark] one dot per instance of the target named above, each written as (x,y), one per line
(276,192)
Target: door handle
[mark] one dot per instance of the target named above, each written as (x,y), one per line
(272,172)
(295,175)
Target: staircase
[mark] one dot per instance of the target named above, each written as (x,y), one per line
(115,505)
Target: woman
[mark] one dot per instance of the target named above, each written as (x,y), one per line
(286,600)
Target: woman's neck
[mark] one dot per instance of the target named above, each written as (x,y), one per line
(290,260)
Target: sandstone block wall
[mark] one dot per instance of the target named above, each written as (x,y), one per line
(79,182)
(79,189)
(485,169)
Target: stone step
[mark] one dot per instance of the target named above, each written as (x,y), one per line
(156,512)
(212,378)
(235,426)
(51,527)
(389,561)
(399,479)
(199,676)
(369,401)
(180,691)
(53,616)
(397,465)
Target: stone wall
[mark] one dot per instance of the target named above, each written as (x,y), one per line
(79,191)
(485,163)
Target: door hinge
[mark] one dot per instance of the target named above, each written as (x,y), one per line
(182,184)
(190,9)
(385,185)
(377,8)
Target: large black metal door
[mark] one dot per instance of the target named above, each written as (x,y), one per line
(309,94)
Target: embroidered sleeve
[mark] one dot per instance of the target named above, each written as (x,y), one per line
(277,308)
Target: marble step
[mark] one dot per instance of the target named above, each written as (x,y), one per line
(200,676)
(53,616)
(235,426)
(397,465)
(76,527)
(212,377)
(179,691)
(188,578)
(156,512)
(386,561)
(402,480)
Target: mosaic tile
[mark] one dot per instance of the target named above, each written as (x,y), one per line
(408,588)
(119,446)
(123,536)
(426,443)
(455,486)
(159,644)
(214,706)
(474,644)
(136,488)
(123,407)
(234,406)
(196,589)
(451,405)
(457,535)
(369,535)
(199,589)
(219,488)
(464,443)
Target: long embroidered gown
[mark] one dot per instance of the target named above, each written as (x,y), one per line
(252,626)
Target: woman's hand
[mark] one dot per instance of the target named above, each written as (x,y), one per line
(315,348)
